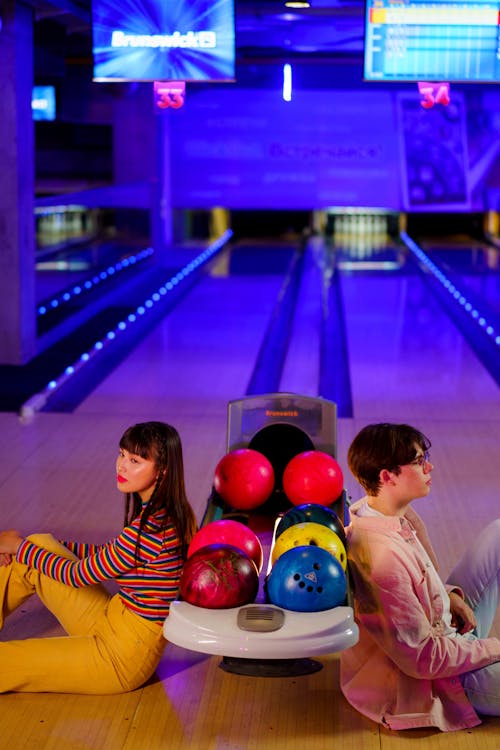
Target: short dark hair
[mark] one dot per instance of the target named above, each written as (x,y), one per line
(383,446)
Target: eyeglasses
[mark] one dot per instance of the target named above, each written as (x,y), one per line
(421,460)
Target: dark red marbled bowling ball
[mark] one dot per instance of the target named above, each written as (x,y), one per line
(219,576)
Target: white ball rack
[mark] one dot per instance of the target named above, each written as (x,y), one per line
(261,632)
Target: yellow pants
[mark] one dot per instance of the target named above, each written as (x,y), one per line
(108,649)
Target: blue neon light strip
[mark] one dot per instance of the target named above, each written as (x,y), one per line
(39,400)
(88,284)
(459,297)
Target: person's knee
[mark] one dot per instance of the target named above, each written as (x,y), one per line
(50,543)
(482,689)
(42,540)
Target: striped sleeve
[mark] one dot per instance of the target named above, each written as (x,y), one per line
(81,549)
(110,561)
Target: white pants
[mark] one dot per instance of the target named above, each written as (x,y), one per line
(478,574)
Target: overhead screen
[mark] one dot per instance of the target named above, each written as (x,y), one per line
(443,40)
(163,40)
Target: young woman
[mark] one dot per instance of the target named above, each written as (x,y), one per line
(423,658)
(114,643)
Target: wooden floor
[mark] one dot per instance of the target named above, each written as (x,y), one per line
(58,475)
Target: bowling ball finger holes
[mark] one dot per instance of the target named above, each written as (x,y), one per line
(307,586)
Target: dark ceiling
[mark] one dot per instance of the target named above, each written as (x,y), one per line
(265,29)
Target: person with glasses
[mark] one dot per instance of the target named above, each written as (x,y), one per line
(424,658)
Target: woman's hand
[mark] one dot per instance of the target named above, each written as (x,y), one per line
(9,542)
(5,559)
(462,616)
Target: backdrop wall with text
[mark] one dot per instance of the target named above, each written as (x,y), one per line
(249,149)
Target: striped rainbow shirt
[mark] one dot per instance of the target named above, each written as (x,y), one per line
(147,590)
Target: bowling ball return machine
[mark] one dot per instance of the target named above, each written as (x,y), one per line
(259,638)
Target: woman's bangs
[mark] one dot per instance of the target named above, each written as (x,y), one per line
(135,441)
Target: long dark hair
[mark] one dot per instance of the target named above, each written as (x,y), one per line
(161,443)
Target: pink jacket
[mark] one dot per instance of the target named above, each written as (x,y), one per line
(404,672)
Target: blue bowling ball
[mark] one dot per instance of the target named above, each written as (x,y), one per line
(306,579)
(312,513)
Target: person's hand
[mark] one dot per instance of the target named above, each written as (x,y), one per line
(5,559)
(462,616)
(9,542)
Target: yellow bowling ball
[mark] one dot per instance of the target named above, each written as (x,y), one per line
(309,533)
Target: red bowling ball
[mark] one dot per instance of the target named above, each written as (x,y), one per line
(313,477)
(219,576)
(227,531)
(244,478)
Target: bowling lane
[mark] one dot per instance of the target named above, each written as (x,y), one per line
(68,259)
(407,358)
(203,351)
(200,356)
(85,267)
(405,354)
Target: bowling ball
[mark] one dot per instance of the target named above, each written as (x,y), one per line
(306,579)
(313,477)
(315,513)
(227,531)
(219,576)
(313,535)
(244,478)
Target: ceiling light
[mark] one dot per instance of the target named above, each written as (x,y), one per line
(297,4)
(287,82)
